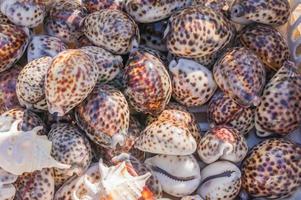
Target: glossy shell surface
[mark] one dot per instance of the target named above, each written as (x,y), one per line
(96,5)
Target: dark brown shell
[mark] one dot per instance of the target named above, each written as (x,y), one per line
(272,169)
(148,85)
(268,44)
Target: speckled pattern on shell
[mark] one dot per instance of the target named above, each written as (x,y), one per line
(4,19)
(223,110)
(148,85)
(13,42)
(193,84)
(104,116)
(198,31)
(147,11)
(30,84)
(70,78)
(109,64)
(223,143)
(29,13)
(8,190)
(96,5)
(218,5)
(280,108)
(241,75)
(69,146)
(8,95)
(272,169)
(35,186)
(268,44)
(272,12)
(112,30)
(44,45)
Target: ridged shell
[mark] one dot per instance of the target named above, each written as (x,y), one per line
(198,31)
(223,143)
(69,146)
(280,109)
(112,30)
(178,175)
(44,45)
(193,84)
(272,169)
(241,75)
(109,65)
(69,80)
(148,85)
(104,115)
(151,11)
(273,12)
(36,185)
(220,180)
(268,44)
(30,85)
(13,42)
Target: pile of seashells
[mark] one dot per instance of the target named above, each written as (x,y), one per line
(96,100)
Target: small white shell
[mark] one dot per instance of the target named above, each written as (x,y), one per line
(220,180)
(25,151)
(178,175)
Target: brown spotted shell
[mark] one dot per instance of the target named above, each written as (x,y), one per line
(193,84)
(148,85)
(272,169)
(96,5)
(104,115)
(198,31)
(13,42)
(240,74)
(112,30)
(223,110)
(30,84)
(69,146)
(70,78)
(8,95)
(218,5)
(268,44)
(272,12)
(280,108)
(36,185)
(148,11)
(223,143)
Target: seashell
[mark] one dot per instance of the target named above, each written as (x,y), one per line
(280,110)
(272,169)
(194,197)
(224,143)
(71,147)
(4,19)
(8,96)
(36,185)
(220,180)
(70,78)
(109,65)
(240,74)
(28,13)
(44,45)
(7,189)
(169,134)
(151,11)
(193,84)
(19,147)
(96,5)
(30,84)
(274,12)
(65,20)
(112,30)
(223,110)
(268,44)
(148,85)
(178,175)
(104,116)
(217,5)
(198,31)
(13,43)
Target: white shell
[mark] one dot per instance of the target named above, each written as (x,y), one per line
(25,151)
(220,180)
(7,189)
(178,175)
(194,197)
